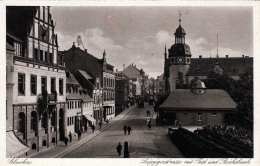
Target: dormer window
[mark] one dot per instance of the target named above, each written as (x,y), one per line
(17,49)
(43,33)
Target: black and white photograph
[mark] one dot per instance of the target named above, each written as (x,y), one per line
(129,81)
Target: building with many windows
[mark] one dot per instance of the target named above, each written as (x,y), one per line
(38,75)
(79,106)
(97,76)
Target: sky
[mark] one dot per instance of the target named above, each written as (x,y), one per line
(139,34)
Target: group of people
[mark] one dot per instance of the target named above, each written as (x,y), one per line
(127,130)
(66,139)
(126,150)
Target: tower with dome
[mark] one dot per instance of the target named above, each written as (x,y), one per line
(178,61)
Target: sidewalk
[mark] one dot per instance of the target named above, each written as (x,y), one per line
(61,150)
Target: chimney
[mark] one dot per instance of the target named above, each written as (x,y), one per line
(226,56)
(243,56)
(200,56)
(123,66)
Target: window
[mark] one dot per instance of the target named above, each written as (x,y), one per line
(213,114)
(199,116)
(53,85)
(41,55)
(44,84)
(61,86)
(33,84)
(51,57)
(21,84)
(33,121)
(35,53)
(45,56)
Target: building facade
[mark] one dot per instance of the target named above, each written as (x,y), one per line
(97,77)
(108,85)
(121,92)
(38,76)
(196,106)
(79,107)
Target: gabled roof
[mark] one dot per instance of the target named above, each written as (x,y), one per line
(19,20)
(132,72)
(186,100)
(85,74)
(78,59)
(70,79)
(230,66)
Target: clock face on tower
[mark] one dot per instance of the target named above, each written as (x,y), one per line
(180,60)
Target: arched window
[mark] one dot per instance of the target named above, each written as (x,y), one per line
(34,121)
(21,123)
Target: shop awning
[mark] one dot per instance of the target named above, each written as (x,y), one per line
(90,118)
(14,147)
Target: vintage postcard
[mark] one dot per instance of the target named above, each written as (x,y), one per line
(138,83)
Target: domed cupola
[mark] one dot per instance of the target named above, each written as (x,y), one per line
(180,31)
(197,86)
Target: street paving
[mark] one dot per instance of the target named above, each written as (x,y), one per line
(143,142)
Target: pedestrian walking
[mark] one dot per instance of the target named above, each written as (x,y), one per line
(149,123)
(93,128)
(79,135)
(125,129)
(148,113)
(126,151)
(100,124)
(129,130)
(119,149)
(70,136)
(66,141)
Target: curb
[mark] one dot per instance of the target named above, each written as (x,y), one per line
(78,144)
(86,139)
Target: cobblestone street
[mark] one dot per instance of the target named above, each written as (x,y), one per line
(143,142)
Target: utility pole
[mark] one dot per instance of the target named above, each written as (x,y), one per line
(217,46)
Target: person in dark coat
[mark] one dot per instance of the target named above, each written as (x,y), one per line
(66,141)
(126,151)
(129,130)
(149,124)
(119,149)
(125,129)
(148,113)
(100,124)
(79,135)
(70,136)
(93,128)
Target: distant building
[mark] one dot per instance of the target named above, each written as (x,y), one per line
(38,77)
(233,67)
(137,76)
(97,76)
(160,85)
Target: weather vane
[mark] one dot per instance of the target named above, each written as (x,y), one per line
(180,17)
